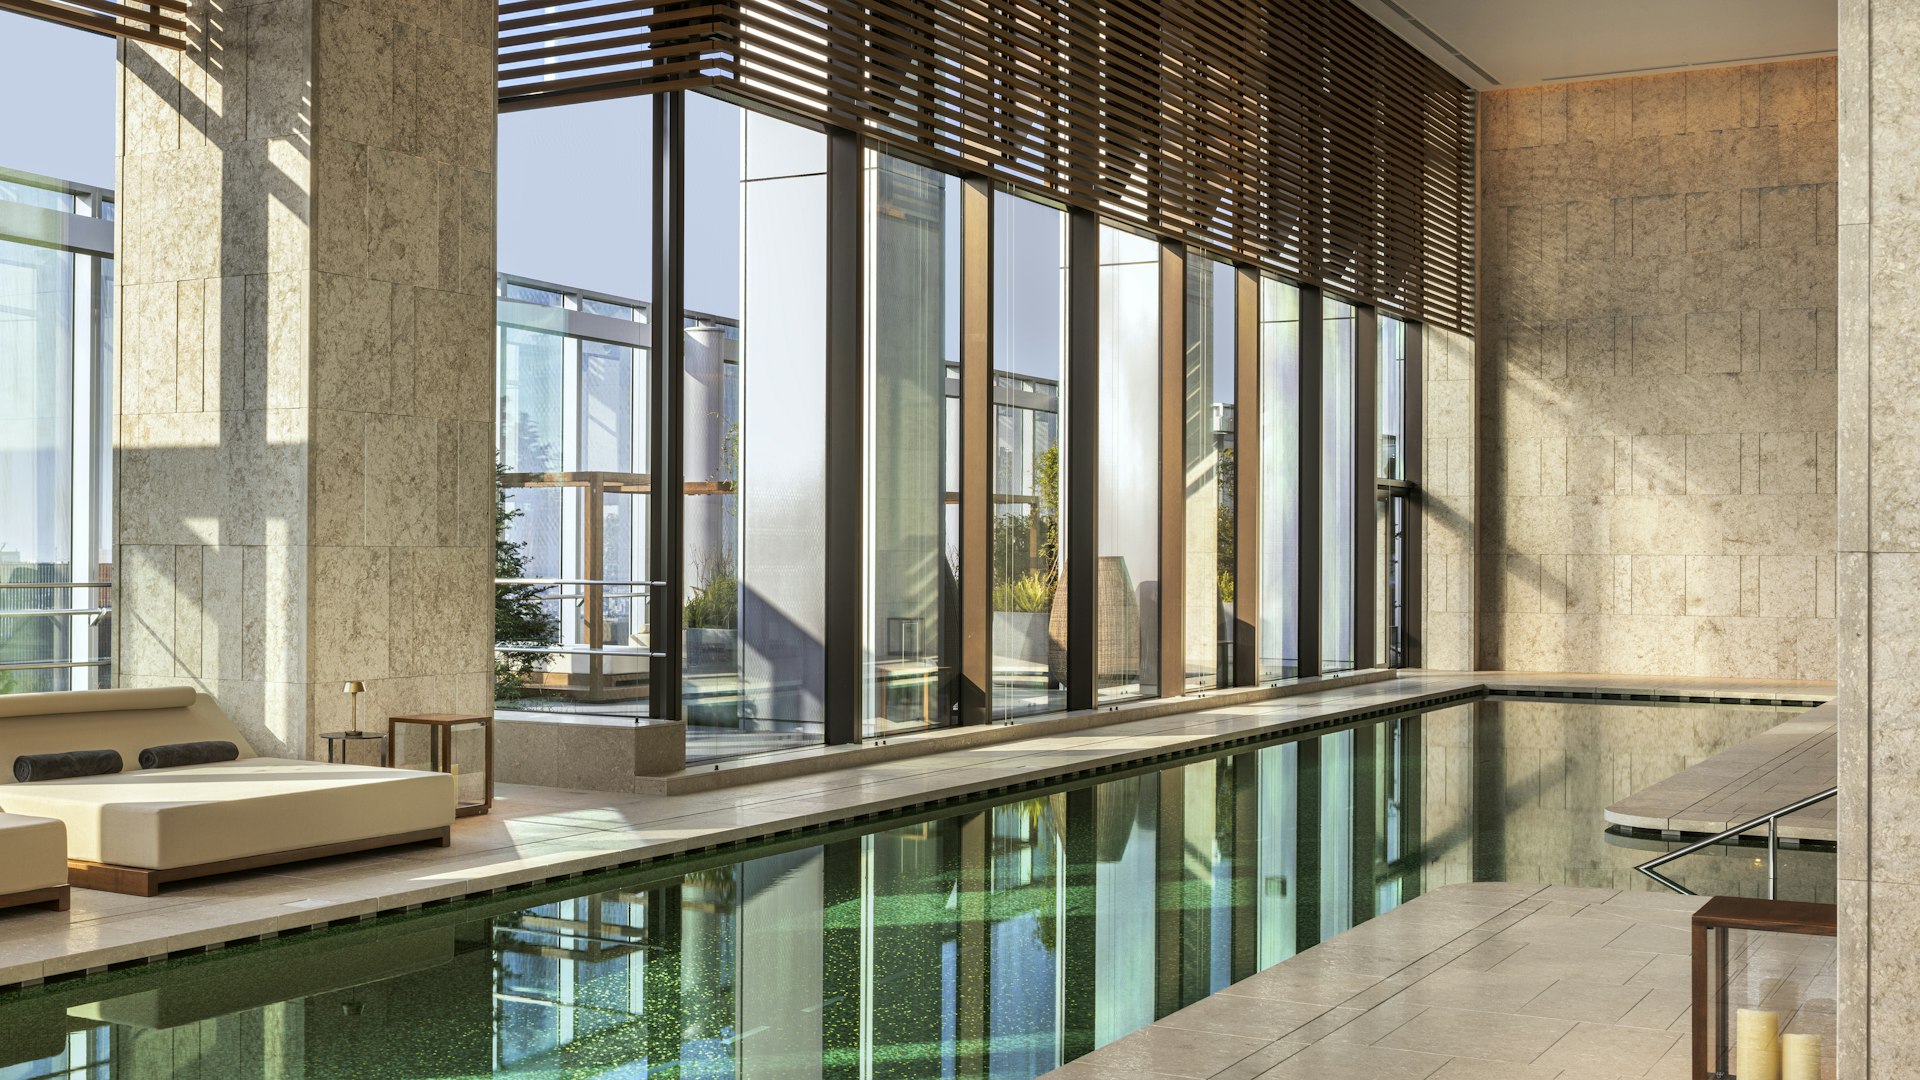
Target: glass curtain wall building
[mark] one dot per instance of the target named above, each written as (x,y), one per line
(753,274)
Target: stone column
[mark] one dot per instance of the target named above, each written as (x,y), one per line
(306,259)
(1878,575)
(1447,500)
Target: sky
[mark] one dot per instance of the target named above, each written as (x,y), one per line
(59,85)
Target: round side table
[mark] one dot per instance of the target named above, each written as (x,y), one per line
(338,743)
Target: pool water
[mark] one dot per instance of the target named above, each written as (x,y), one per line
(995,939)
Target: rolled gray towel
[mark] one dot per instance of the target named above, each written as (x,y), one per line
(188,753)
(30,767)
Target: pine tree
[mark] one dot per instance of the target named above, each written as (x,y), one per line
(520,618)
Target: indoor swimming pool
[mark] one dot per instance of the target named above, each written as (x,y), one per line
(994,938)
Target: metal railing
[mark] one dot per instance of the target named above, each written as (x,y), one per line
(580,599)
(1770,819)
(92,614)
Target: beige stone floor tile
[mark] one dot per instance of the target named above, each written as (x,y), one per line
(1553,929)
(1571,999)
(1232,1014)
(1260,1061)
(1490,1035)
(1489,990)
(1660,1010)
(1348,1061)
(1571,961)
(1308,987)
(1175,1052)
(1648,937)
(1085,1069)
(1598,1048)
(1374,1024)
(1462,1068)
(1665,973)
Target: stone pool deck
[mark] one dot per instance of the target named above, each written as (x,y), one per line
(1469,982)
(539,834)
(1774,769)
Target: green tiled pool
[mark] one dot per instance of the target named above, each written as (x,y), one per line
(998,938)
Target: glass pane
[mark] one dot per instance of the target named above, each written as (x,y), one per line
(1127,597)
(1393,399)
(1279,626)
(36,459)
(913,502)
(1336,487)
(1029,352)
(755,604)
(1209,473)
(573,411)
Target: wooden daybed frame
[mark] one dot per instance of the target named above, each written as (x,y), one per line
(138,881)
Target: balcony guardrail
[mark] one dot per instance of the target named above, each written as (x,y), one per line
(92,614)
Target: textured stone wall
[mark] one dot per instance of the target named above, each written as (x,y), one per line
(306,244)
(1658,374)
(1447,500)
(1879,539)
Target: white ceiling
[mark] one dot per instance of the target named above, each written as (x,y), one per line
(1506,43)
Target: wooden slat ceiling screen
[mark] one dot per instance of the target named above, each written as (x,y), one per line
(156,22)
(1297,134)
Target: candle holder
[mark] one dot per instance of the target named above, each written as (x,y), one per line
(1763,990)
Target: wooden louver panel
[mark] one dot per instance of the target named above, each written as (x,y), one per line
(156,22)
(1299,135)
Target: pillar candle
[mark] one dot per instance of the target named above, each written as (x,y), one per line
(1800,1057)
(1757,1044)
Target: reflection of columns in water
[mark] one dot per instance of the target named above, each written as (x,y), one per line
(1368,744)
(1487,810)
(1240,835)
(782,965)
(843,976)
(663,976)
(1078,957)
(1126,813)
(1308,852)
(974,948)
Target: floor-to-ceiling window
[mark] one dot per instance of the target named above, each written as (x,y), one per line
(56,356)
(913,446)
(572,416)
(1208,472)
(1337,480)
(56,423)
(755,423)
(1029,413)
(1127,579)
(1279,559)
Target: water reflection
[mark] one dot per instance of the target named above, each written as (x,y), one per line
(996,941)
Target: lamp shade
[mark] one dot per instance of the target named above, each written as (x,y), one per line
(353,686)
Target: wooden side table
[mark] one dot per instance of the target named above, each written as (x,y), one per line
(440,728)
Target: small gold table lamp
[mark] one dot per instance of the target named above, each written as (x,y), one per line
(356,688)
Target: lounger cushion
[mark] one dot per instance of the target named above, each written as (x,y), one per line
(164,818)
(33,854)
(174,755)
(35,768)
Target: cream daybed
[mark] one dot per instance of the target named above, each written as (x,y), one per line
(134,830)
(33,862)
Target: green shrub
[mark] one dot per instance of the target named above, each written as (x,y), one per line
(1030,592)
(715,602)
